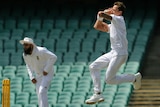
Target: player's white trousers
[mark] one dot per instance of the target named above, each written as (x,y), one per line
(42,86)
(112,63)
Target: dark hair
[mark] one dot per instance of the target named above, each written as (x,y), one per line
(121,6)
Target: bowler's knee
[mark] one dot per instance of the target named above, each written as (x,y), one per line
(92,67)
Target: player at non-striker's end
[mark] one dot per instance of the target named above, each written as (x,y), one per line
(116,57)
(39,62)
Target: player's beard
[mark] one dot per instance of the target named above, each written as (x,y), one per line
(28,51)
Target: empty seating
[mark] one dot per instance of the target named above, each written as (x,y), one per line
(69,33)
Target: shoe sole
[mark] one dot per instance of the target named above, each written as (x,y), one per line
(140,78)
(95,102)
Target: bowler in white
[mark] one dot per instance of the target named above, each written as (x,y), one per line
(116,57)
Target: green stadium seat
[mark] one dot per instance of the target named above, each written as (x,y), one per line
(60,23)
(60,105)
(87,105)
(77,68)
(22,73)
(38,41)
(74,105)
(5,35)
(64,97)
(30,105)
(103,105)
(8,73)
(80,63)
(62,45)
(10,23)
(78,99)
(35,24)
(73,23)
(83,56)
(22,98)
(95,55)
(10,46)
(55,33)
(16,80)
(87,45)
(21,67)
(71,78)
(49,44)
(56,84)
(101,45)
(12,98)
(67,34)
(30,88)
(30,34)
(63,68)
(1,46)
(47,24)
(79,34)
(23,24)
(16,88)
(69,87)
(42,35)
(85,23)
(52,97)
(33,99)
(16,105)
(69,57)
(17,34)
(10,67)
(74,45)
(67,63)
(16,59)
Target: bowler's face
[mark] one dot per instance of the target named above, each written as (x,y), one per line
(116,11)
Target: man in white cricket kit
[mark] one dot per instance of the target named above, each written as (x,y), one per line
(39,62)
(116,57)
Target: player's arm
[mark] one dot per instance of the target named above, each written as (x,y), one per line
(99,24)
(51,59)
(105,16)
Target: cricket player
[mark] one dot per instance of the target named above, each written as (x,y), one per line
(39,62)
(116,57)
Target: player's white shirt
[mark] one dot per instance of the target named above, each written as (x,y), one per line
(40,60)
(117,31)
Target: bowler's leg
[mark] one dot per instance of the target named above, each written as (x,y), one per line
(113,67)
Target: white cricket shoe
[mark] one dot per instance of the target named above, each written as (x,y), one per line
(137,83)
(94,99)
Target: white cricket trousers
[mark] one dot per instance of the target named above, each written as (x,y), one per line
(42,86)
(112,63)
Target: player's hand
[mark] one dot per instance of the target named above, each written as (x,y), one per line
(108,11)
(100,12)
(45,73)
(34,80)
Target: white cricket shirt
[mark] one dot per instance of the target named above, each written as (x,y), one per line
(117,31)
(40,60)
